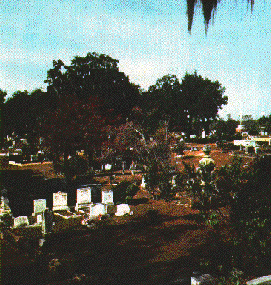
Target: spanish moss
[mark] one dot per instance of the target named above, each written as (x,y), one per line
(208,9)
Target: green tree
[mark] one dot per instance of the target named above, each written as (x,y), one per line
(24,111)
(252,126)
(224,129)
(16,114)
(165,103)
(265,123)
(203,98)
(94,76)
(125,142)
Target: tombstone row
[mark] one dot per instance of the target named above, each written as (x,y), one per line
(83,200)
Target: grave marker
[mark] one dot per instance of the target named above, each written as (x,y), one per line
(83,196)
(123,209)
(107,197)
(60,201)
(108,167)
(21,221)
(39,206)
(143,184)
(39,219)
(174,180)
(98,209)
(4,206)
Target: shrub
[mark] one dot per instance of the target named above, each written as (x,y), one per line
(125,191)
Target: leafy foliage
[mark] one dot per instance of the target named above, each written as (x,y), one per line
(124,191)
(159,171)
(73,126)
(224,129)
(94,76)
(23,112)
(203,99)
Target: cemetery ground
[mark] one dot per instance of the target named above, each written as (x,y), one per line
(150,247)
(161,242)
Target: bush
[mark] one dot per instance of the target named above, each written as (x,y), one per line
(124,192)
(179,148)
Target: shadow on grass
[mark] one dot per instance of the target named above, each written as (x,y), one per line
(112,254)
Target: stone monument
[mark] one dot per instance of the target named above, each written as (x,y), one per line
(207,162)
(97,210)
(39,206)
(21,221)
(83,198)
(123,209)
(4,203)
(60,201)
(143,184)
(107,197)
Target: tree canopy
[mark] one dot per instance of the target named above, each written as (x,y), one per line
(203,98)
(187,106)
(24,111)
(73,126)
(96,76)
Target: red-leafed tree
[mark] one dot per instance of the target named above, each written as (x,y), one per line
(73,126)
(124,141)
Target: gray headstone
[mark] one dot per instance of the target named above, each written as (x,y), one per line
(4,206)
(202,279)
(143,184)
(264,280)
(174,180)
(108,167)
(39,219)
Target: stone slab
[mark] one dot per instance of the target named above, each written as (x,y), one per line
(123,209)
(264,280)
(60,201)
(39,205)
(107,197)
(21,221)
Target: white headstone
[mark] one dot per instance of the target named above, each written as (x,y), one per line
(261,280)
(107,197)
(60,201)
(39,219)
(143,184)
(83,198)
(203,279)
(39,206)
(123,209)
(21,221)
(174,180)
(4,206)
(98,209)
(108,167)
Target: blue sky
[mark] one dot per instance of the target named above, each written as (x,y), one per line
(149,38)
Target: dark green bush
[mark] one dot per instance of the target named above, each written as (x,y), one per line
(124,192)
